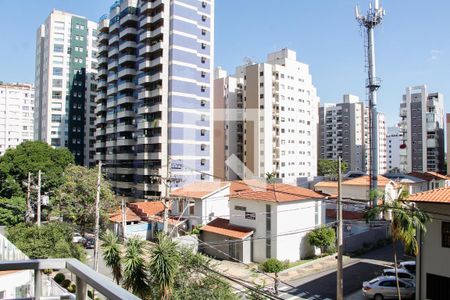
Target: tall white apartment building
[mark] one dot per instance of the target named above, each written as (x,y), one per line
(394,140)
(66,64)
(344,132)
(154,112)
(422,126)
(16,114)
(277,131)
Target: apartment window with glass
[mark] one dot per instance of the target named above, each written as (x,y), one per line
(58,48)
(56,95)
(446,234)
(56,118)
(57,71)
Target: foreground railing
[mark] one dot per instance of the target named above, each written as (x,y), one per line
(84,276)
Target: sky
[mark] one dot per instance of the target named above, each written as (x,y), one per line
(412,44)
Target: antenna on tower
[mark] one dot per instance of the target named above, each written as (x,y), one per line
(370,20)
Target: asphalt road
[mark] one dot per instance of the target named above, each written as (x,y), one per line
(323,285)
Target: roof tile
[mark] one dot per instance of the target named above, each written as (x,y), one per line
(199,190)
(441,195)
(223,227)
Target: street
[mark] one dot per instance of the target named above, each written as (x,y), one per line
(323,285)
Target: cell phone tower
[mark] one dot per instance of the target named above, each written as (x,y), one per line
(369,21)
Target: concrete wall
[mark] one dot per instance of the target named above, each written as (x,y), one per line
(433,258)
(357,241)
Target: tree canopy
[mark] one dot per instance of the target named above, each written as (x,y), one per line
(12,211)
(32,156)
(74,199)
(50,240)
(322,237)
(327,167)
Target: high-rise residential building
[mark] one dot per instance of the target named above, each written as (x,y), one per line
(422,126)
(344,132)
(448,142)
(66,64)
(154,112)
(394,140)
(16,114)
(270,119)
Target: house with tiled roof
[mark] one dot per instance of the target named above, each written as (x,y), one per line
(201,202)
(435,180)
(409,183)
(359,188)
(265,221)
(433,261)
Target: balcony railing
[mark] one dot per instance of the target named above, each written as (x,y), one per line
(84,276)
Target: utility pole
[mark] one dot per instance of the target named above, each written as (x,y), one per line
(124,218)
(97,220)
(373,18)
(28,211)
(166,200)
(340,279)
(39,200)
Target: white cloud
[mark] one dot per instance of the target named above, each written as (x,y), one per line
(435,54)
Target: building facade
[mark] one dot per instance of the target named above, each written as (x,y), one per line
(154,90)
(66,64)
(344,132)
(394,140)
(422,126)
(16,114)
(448,139)
(271,119)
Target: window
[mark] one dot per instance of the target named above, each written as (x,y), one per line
(57,71)
(241,208)
(203,4)
(203,74)
(446,234)
(58,48)
(203,31)
(56,95)
(203,46)
(250,215)
(203,162)
(437,287)
(204,18)
(56,118)
(57,82)
(203,59)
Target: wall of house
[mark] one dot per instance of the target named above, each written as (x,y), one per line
(216,205)
(297,216)
(432,255)
(413,188)
(15,284)
(327,190)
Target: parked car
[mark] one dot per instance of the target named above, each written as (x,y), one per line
(409,266)
(89,243)
(385,287)
(77,238)
(402,274)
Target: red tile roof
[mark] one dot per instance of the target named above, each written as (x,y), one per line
(131,216)
(441,195)
(147,209)
(271,192)
(365,181)
(428,176)
(199,190)
(223,227)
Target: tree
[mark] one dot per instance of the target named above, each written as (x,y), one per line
(273,265)
(32,156)
(271,177)
(135,275)
(327,167)
(112,254)
(75,198)
(406,220)
(163,265)
(50,240)
(12,211)
(322,237)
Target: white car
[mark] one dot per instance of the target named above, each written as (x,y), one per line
(385,287)
(409,266)
(402,274)
(77,238)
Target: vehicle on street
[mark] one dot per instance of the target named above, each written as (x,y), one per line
(409,266)
(89,243)
(402,274)
(385,287)
(77,238)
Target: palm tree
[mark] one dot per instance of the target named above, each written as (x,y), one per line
(406,221)
(163,265)
(112,254)
(134,269)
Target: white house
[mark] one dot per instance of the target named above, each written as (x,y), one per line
(201,202)
(265,221)
(409,183)
(433,261)
(435,180)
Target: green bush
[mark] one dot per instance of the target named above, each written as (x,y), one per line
(323,238)
(66,283)
(273,265)
(72,288)
(89,294)
(59,278)
(47,271)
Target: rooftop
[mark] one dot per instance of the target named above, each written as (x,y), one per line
(223,227)
(441,195)
(271,192)
(146,209)
(131,216)
(428,176)
(200,190)
(358,181)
